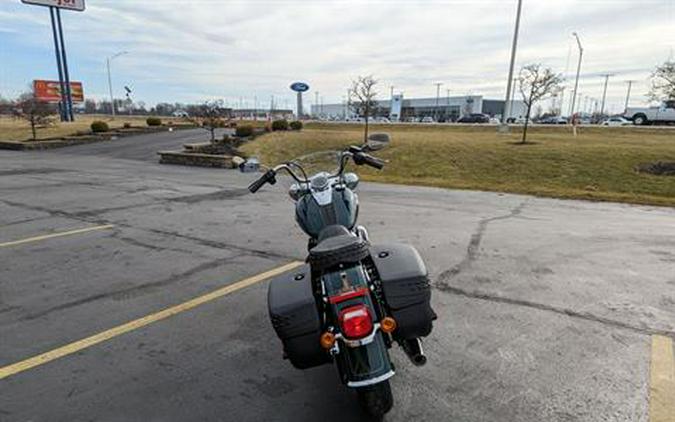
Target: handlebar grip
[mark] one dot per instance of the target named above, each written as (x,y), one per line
(372,161)
(268,177)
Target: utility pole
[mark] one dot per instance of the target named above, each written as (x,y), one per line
(630,85)
(438,97)
(604,93)
(513,95)
(110,89)
(576,82)
(507,106)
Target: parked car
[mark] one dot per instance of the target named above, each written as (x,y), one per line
(553,120)
(474,118)
(665,113)
(428,119)
(494,121)
(520,120)
(616,121)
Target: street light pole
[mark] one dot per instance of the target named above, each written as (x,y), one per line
(438,96)
(630,85)
(112,98)
(514,47)
(576,82)
(604,93)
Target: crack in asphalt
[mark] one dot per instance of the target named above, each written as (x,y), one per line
(476,294)
(222,245)
(214,196)
(84,217)
(133,291)
(474,244)
(18,172)
(442,284)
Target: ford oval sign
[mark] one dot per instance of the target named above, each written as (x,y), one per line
(299,87)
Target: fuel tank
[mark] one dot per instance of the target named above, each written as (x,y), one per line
(342,209)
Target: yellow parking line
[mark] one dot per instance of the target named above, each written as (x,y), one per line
(141,322)
(662,381)
(53,235)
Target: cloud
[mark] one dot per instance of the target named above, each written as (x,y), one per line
(184,51)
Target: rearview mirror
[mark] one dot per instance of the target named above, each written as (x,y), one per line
(377,141)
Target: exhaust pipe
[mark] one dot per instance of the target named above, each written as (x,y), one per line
(413,349)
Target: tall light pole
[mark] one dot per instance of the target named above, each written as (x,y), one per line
(604,93)
(630,85)
(107,61)
(514,47)
(576,82)
(438,97)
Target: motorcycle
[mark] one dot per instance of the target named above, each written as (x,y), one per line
(353,299)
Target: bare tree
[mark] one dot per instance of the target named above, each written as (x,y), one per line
(663,82)
(363,96)
(209,115)
(536,83)
(36,112)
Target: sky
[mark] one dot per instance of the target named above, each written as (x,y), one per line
(194,50)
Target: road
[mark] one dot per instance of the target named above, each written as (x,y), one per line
(548,309)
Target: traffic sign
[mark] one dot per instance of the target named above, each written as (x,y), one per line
(77,5)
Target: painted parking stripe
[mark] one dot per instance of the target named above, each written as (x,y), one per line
(662,381)
(57,234)
(87,342)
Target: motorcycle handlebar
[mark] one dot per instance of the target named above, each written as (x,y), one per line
(268,177)
(361,158)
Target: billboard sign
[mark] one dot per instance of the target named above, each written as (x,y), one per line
(299,87)
(77,5)
(50,91)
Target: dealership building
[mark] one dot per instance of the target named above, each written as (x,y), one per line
(440,109)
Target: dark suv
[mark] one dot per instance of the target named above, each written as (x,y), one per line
(474,118)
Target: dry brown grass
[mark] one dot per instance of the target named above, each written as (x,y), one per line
(597,165)
(12,129)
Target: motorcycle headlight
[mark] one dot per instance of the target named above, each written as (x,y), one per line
(296,191)
(351,180)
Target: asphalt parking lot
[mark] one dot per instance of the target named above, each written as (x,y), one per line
(549,310)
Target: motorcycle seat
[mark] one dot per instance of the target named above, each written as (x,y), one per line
(337,245)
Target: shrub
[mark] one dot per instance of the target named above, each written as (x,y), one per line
(243,131)
(99,126)
(154,121)
(280,125)
(127,125)
(296,125)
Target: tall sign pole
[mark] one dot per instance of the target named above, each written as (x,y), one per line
(62,103)
(299,88)
(66,75)
(55,7)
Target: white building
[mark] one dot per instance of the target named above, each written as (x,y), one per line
(440,109)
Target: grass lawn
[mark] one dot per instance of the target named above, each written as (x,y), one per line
(597,165)
(19,130)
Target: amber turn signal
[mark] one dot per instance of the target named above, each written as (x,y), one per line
(388,324)
(327,340)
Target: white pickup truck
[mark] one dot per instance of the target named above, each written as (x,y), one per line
(665,113)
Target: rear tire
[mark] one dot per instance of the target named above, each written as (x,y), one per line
(376,400)
(640,120)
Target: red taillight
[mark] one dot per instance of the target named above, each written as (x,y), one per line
(356,322)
